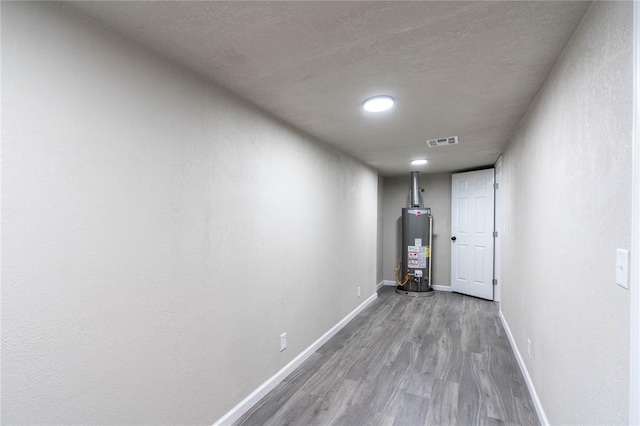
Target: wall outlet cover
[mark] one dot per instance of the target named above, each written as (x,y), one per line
(283,342)
(622,268)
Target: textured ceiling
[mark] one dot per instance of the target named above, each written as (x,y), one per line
(467,69)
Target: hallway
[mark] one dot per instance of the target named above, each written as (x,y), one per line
(438,360)
(189,186)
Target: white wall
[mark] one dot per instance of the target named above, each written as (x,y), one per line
(158,233)
(380,232)
(437,196)
(567,192)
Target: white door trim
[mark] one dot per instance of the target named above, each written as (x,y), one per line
(634,373)
(497,242)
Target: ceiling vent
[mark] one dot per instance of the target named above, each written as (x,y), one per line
(452,140)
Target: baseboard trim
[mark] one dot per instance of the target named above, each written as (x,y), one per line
(385,282)
(394,284)
(442,287)
(527,378)
(245,405)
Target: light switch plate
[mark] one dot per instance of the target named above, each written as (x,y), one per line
(622,268)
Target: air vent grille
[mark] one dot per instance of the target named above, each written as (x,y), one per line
(451,140)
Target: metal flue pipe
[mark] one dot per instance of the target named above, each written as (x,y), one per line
(415,190)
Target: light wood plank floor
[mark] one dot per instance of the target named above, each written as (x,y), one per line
(440,360)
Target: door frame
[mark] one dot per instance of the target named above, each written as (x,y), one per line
(497,226)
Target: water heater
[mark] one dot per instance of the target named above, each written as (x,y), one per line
(413,275)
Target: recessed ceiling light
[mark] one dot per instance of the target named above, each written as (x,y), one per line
(378,103)
(419,162)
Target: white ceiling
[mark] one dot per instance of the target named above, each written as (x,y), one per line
(467,69)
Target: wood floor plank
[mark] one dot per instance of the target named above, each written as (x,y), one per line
(470,410)
(441,360)
(443,405)
(490,395)
(301,375)
(301,405)
(420,384)
(449,357)
(267,407)
(395,378)
(335,402)
(411,410)
(506,374)
(525,412)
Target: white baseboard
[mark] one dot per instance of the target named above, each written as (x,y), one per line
(393,284)
(385,282)
(527,378)
(442,287)
(245,405)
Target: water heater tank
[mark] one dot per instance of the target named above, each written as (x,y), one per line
(417,222)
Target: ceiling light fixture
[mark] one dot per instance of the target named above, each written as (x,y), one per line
(378,103)
(419,162)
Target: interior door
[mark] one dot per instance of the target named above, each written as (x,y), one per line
(472,210)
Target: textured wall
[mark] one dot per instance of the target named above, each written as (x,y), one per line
(567,195)
(437,195)
(158,234)
(380,245)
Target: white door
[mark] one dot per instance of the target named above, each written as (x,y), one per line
(472,199)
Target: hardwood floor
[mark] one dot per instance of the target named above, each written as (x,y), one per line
(440,360)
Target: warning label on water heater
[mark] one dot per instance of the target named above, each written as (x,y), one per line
(417,256)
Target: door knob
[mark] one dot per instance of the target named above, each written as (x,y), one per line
(453,239)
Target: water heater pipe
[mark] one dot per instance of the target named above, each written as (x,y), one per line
(415,190)
(430,246)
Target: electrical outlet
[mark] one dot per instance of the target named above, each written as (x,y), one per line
(358,291)
(529,348)
(283,341)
